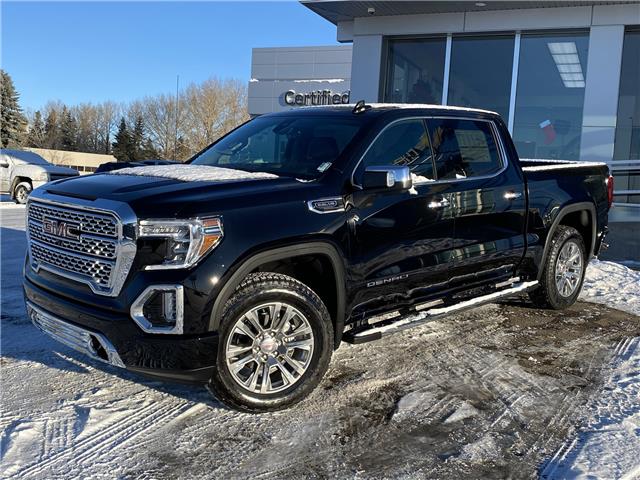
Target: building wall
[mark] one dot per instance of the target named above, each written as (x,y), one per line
(275,71)
(85,163)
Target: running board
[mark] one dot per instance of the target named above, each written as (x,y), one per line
(394,325)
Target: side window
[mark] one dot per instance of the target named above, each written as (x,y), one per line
(463,148)
(403,143)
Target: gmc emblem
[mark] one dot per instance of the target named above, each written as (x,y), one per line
(61,229)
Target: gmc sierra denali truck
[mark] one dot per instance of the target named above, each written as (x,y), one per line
(246,267)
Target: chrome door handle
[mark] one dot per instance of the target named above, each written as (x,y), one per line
(439,203)
(511,195)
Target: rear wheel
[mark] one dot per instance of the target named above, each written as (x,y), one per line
(564,269)
(21,192)
(275,344)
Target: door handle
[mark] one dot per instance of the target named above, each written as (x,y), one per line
(511,195)
(439,203)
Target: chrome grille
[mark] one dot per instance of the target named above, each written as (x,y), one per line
(87,248)
(89,222)
(88,244)
(98,271)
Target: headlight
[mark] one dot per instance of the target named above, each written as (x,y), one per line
(42,176)
(186,241)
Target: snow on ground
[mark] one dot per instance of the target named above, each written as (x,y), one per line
(492,393)
(608,444)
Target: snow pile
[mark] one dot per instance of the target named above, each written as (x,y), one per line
(612,284)
(194,173)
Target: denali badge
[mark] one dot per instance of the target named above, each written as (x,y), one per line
(61,228)
(326,205)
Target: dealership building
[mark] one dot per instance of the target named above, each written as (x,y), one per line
(564,75)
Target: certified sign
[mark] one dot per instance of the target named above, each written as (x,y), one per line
(317,97)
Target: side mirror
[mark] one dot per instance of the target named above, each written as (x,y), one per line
(4,164)
(387,177)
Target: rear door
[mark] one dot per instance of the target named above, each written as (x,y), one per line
(489,203)
(401,241)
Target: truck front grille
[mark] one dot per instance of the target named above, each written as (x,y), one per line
(80,244)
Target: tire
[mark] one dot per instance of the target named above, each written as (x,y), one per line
(21,192)
(279,349)
(551,294)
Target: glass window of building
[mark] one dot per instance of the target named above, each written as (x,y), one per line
(415,70)
(480,73)
(627,143)
(550,95)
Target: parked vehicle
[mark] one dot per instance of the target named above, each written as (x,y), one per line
(246,268)
(109,166)
(22,171)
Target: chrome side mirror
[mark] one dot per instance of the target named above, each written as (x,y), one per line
(387,177)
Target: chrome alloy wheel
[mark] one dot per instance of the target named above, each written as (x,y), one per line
(569,267)
(269,348)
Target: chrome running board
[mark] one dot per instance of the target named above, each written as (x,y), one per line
(382,329)
(95,345)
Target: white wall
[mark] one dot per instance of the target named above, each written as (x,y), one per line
(302,69)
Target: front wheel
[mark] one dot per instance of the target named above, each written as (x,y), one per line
(275,344)
(564,270)
(21,192)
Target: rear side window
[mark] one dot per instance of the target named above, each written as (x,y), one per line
(463,148)
(403,143)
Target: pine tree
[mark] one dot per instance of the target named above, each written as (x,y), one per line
(12,121)
(52,131)
(36,137)
(123,143)
(137,140)
(68,131)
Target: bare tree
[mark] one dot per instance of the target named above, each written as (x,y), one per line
(212,108)
(204,112)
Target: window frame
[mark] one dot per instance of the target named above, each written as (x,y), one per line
(502,156)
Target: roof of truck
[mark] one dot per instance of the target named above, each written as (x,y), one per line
(385,107)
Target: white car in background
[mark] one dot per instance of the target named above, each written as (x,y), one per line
(22,171)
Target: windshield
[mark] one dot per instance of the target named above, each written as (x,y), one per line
(301,147)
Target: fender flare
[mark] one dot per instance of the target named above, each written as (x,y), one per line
(312,248)
(564,211)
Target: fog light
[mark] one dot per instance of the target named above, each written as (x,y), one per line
(159,309)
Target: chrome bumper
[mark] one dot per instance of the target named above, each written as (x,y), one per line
(92,344)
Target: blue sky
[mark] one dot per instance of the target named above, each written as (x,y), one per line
(89,51)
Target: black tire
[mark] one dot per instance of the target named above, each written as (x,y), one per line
(548,295)
(21,192)
(258,289)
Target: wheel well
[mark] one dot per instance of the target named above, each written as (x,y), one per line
(581,220)
(17,181)
(315,271)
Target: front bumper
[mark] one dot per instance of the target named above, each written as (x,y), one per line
(112,338)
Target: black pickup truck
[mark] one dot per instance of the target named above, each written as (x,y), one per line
(245,268)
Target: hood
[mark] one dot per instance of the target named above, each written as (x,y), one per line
(51,169)
(164,197)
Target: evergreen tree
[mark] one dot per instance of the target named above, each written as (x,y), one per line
(12,121)
(122,145)
(36,137)
(68,131)
(137,141)
(52,131)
